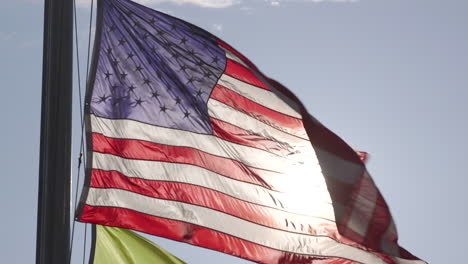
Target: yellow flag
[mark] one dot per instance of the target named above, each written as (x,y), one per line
(122,246)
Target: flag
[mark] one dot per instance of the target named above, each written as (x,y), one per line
(122,246)
(188,140)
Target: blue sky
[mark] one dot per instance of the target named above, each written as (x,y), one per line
(388,76)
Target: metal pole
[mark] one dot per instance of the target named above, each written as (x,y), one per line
(53,218)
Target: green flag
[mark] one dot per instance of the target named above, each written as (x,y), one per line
(123,246)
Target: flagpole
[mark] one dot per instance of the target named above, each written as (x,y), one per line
(53,218)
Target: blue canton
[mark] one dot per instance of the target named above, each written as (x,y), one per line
(154,68)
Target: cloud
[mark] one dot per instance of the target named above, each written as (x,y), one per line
(20,39)
(30,43)
(6,36)
(278,2)
(218,27)
(218,3)
(203,3)
(332,1)
(274,3)
(247,9)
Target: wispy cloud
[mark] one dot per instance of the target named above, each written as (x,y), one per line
(275,3)
(247,9)
(218,27)
(203,3)
(219,3)
(6,36)
(25,44)
(278,2)
(332,1)
(20,39)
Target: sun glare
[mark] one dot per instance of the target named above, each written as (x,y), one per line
(305,190)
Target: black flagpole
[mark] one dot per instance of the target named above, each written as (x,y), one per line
(53,217)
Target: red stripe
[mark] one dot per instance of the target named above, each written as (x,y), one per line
(322,137)
(144,150)
(196,235)
(215,200)
(285,123)
(340,191)
(319,135)
(212,199)
(244,74)
(240,136)
(364,156)
(406,254)
(351,205)
(238,54)
(379,223)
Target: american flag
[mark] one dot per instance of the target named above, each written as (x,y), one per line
(188,140)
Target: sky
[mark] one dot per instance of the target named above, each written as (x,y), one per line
(388,76)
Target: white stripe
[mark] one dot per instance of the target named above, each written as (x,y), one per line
(234,57)
(208,143)
(230,115)
(318,199)
(280,240)
(301,168)
(260,96)
(304,170)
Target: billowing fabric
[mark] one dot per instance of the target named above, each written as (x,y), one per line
(188,140)
(122,246)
